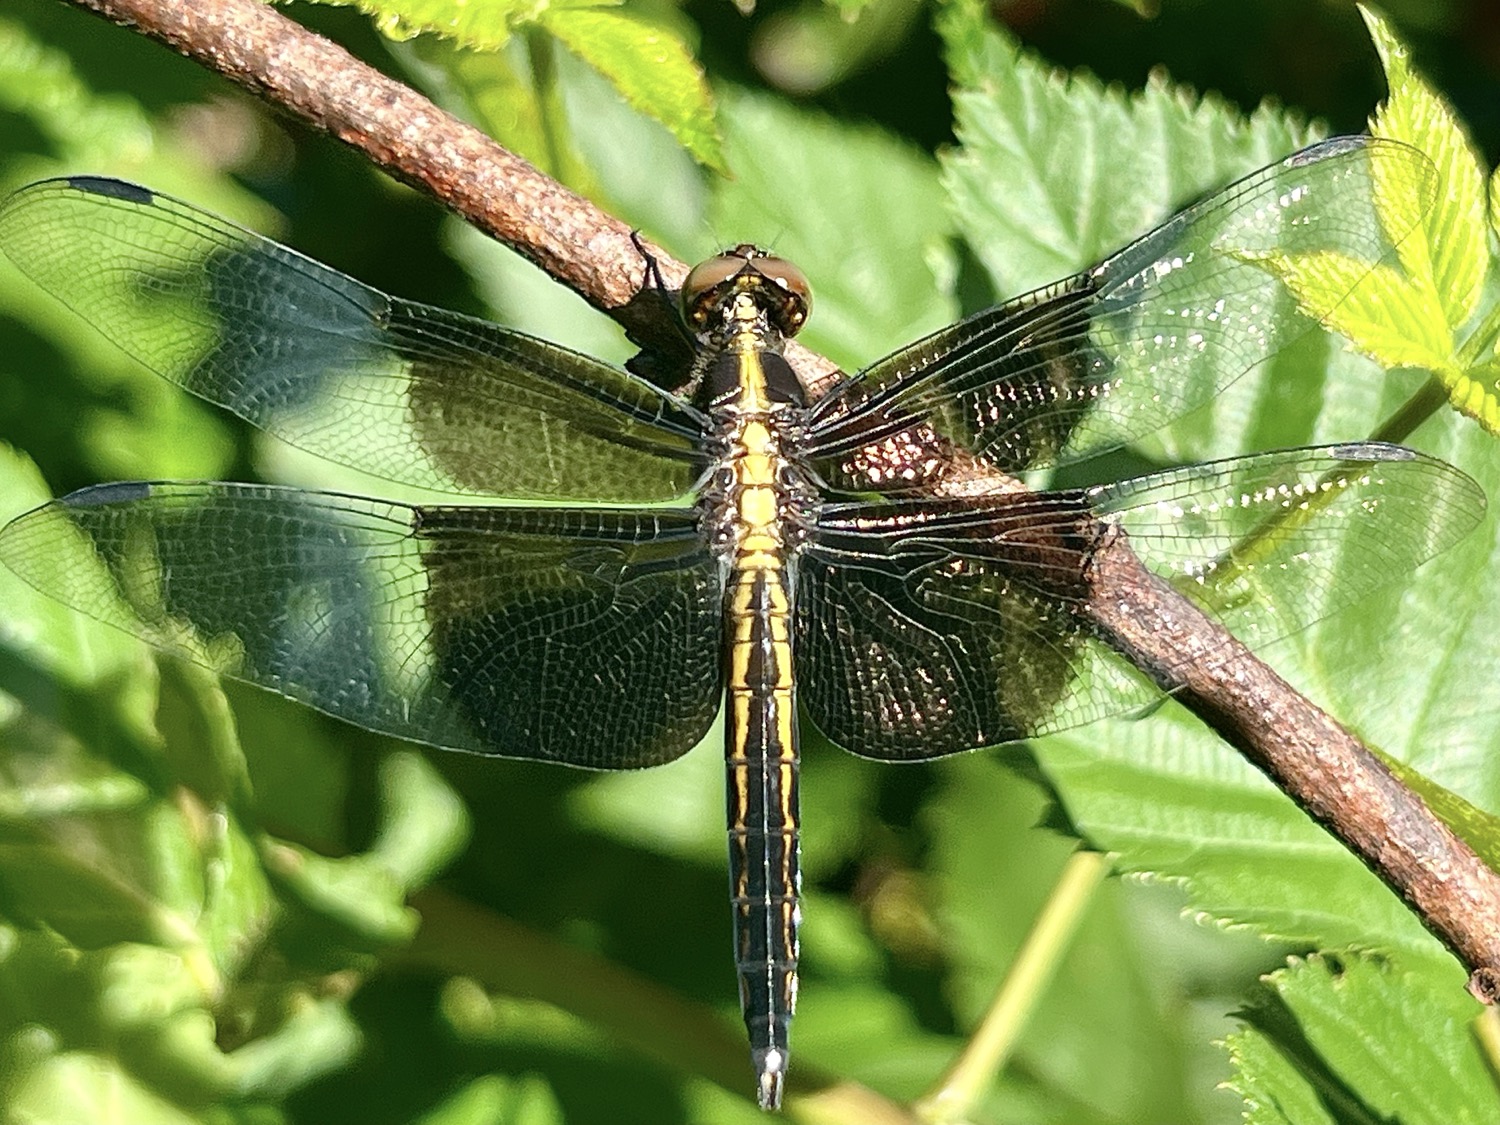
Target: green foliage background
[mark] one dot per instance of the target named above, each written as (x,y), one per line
(203,889)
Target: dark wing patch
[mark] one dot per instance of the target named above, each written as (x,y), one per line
(587,637)
(928,627)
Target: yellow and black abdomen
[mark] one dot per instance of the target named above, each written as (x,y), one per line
(761,765)
(760,734)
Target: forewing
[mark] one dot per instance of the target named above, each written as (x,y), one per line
(589,637)
(1118,351)
(926,627)
(404,391)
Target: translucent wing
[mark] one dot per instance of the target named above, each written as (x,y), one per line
(926,628)
(1121,349)
(589,637)
(405,391)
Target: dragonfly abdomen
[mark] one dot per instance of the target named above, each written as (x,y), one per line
(761,757)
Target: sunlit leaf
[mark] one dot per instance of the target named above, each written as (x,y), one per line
(1395,321)
(1453,254)
(651,68)
(1055,170)
(483,24)
(1448,255)
(1381,1033)
(648,63)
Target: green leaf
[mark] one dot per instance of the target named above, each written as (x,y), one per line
(1493,210)
(352,903)
(1178,804)
(153,1000)
(1274,1090)
(1453,255)
(482,24)
(1392,320)
(1476,392)
(424,825)
(78,1086)
(645,176)
(650,66)
(1389,1045)
(1055,170)
(315,1038)
(1448,255)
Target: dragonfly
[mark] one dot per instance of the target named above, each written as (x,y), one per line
(625,560)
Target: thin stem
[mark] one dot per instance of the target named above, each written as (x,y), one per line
(990,1047)
(1481,341)
(1431,398)
(1487,1034)
(548,103)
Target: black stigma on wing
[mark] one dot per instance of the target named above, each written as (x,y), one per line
(117,189)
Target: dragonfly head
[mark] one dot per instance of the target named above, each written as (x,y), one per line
(746,278)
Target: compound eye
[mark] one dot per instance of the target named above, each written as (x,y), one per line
(786,275)
(704,279)
(796,292)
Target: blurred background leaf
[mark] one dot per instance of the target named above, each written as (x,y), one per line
(204,888)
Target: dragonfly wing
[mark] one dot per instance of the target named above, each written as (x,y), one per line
(1118,351)
(930,627)
(404,391)
(1270,543)
(589,637)
(919,634)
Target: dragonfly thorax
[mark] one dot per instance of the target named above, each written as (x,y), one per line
(759,489)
